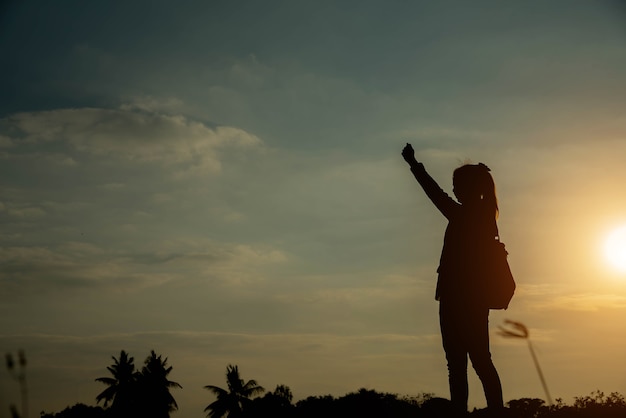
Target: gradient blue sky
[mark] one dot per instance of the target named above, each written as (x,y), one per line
(222,182)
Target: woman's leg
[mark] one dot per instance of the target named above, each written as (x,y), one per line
(478,349)
(452,335)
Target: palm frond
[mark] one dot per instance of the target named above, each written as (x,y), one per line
(107,395)
(252,388)
(171,384)
(217,390)
(106,380)
(217,409)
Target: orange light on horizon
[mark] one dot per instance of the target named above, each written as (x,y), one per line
(615,248)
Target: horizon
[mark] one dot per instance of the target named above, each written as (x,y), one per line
(222,183)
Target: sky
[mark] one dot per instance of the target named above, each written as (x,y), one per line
(221,182)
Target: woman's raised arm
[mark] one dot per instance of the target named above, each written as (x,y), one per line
(446,205)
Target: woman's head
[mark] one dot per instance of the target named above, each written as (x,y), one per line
(473,185)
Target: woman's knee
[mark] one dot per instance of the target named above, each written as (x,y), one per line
(482,364)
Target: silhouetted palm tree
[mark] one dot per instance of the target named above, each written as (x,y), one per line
(232,402)
(121,385)
(154,387)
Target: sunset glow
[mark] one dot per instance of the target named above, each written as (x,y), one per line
(615,248)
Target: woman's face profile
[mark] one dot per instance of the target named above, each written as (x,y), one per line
(462,189)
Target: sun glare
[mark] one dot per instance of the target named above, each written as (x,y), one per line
(615,248)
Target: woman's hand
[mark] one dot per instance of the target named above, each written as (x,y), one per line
(408,154)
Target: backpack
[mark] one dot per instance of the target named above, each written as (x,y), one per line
(499,283)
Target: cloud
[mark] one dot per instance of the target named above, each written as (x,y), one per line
(152,104)
(80,265)
(26,212)
(5,141)
(224,343)
(562,297)
(33,269)
(587,302)
(113,186)
(134,133)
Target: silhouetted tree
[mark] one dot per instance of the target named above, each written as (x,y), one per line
(527,407)
(275,404)
(231,402)
(316,406)
(121,390)
(78,411)
(283,394)
(599,405)
(153,388)
(363,403)
(367,402)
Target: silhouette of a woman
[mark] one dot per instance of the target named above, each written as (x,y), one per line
(463,315)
